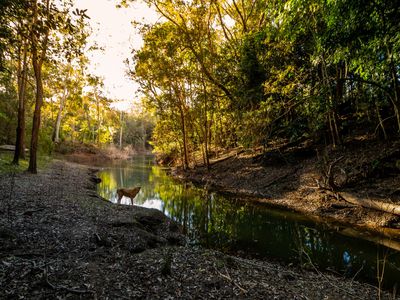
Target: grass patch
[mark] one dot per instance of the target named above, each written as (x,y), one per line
(7,167)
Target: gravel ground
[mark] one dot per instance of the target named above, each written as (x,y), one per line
(59,240)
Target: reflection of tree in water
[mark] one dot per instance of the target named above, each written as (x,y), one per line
(218,222)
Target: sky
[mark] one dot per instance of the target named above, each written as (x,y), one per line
(112,31)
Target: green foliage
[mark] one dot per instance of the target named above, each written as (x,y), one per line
(215,74)
(6,167)
(8,109)
(52,39)
(276,69)
(46,145)
(137,130)
(252,72)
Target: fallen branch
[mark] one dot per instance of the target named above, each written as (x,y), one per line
(212,162)
(390,208)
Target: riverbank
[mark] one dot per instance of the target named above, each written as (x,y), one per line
(321,183)
(59,239)
(93,154)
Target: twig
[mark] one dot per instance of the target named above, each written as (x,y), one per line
(61,287)
(355,275)
(380,273)
(384,120)
(228,277)
(329,176)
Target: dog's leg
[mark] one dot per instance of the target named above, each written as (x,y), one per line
(119,196)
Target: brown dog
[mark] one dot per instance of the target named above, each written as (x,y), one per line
(130,193)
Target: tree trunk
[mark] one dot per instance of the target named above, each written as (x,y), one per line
(56,135)
(337,99)
(89,124)
(380,121)
(37,62)
(396,88)
(98,119)
(206,132)
(36,115)
(143,136)
(331,129)
(22,82)
(63,100)
(206,137)
(73,133)
(396,104)
(121,128)
(183,128)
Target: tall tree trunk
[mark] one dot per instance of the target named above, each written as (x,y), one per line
(396,88)
(73,133)
(37,63)
(331,129)
(56,134)
(380,121)
(22,82)
(63,100)
(334,98)
(36,115)
(121,128)
(337,99)
(206,132)
(98,118)
(143,136)
(184,137)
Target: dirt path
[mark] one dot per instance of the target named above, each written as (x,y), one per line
(58,239)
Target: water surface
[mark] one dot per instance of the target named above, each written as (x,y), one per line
(248,229)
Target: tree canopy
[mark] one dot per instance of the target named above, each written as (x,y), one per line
(220,74)
(213,75)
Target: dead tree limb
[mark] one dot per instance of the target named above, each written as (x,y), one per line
(390,208)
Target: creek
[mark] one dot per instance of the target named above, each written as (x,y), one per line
(249,229)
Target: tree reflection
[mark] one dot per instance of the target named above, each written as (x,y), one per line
(214,221)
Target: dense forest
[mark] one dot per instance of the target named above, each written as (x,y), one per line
(213,75)
(222,74)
